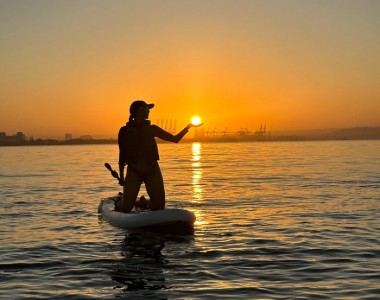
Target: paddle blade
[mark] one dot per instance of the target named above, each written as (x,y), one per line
(108,166)
(113,173)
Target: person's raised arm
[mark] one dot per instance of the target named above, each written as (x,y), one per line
(167,136)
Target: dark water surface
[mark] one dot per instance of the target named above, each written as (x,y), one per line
(291,220)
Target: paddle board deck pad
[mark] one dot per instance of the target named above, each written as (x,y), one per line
(168,220)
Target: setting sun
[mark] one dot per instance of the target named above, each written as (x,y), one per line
(196,120)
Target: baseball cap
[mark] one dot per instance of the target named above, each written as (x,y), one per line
(137,104)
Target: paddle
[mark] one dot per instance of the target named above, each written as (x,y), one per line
(113,172)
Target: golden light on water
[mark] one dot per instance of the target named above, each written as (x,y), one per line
(195,120)
(197,171)
(196,181)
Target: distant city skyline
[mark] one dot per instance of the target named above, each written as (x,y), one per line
(360,132)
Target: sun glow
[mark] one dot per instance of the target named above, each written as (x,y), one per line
(195,120)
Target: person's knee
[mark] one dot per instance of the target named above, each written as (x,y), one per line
(128,201)
(157,200)
(126,206)
(156,191)
(157,204)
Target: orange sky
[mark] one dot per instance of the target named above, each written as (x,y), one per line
(75,66)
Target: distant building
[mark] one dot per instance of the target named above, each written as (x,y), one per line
(86,137)
(16,138)
(20,137)
(68,136)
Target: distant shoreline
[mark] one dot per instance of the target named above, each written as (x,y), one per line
(223,139)
(114,142)
(357,133)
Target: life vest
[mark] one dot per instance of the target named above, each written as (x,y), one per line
(137,142)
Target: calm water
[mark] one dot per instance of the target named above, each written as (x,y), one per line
(291,220)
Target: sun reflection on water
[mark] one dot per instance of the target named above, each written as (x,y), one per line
(196,182)
(197,172)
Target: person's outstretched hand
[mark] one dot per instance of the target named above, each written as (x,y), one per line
(193,125)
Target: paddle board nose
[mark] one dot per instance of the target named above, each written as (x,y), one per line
(100,207)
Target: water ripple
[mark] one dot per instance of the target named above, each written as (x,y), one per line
(288,221)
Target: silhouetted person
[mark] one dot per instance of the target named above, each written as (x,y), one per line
(138,150)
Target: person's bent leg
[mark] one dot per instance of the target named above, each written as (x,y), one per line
(130,191)
(154,184)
